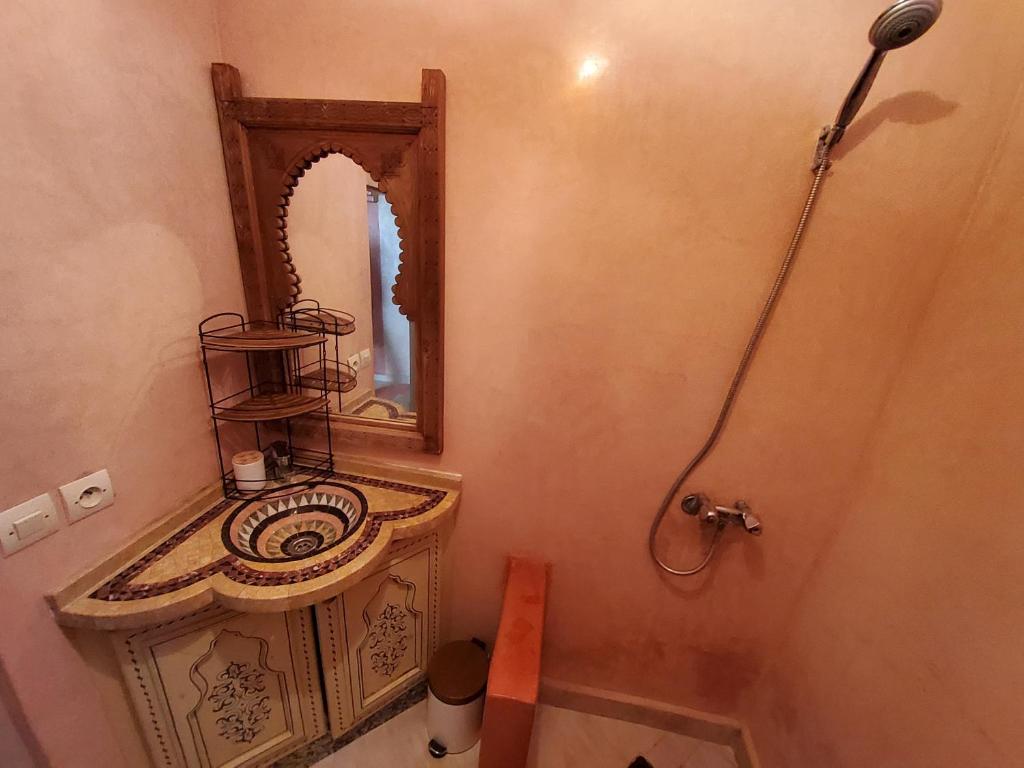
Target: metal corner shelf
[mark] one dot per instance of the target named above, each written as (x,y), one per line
(335,376)
(271,406)
(308,316)
(311,465)
(286,374)
(257,336)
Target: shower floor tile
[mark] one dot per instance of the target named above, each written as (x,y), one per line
(562,738)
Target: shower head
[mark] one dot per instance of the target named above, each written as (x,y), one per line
(903,23)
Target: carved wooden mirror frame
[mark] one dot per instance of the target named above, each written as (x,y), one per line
(270,143)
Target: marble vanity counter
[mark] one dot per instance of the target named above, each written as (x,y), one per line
(271,555)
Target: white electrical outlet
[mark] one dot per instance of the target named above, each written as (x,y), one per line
(27,523)
(364,358)
(353,361)
(88,495)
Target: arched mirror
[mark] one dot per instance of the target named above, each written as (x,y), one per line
(344,242)
(339,214)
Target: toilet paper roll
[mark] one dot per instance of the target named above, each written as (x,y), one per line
(250,472)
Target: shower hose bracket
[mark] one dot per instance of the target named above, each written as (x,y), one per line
(828,138)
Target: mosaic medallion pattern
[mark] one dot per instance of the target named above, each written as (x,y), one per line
(296,527)
(334,511)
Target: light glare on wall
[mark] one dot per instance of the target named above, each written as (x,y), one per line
(591,67)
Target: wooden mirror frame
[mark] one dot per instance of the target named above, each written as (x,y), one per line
(270,143)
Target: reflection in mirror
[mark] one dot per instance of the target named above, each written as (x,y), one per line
(344,243)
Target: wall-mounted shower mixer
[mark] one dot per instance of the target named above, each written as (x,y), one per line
(901,24)
(698,505)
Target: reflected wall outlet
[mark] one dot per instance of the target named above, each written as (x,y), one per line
(88,495)
(27,523)
(353,361)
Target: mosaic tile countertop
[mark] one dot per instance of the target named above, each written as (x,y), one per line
(300,545)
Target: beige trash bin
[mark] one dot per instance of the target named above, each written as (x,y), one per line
(456,679)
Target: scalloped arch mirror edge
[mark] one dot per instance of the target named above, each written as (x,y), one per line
(267,141)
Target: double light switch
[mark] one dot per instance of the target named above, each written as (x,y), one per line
(37,518)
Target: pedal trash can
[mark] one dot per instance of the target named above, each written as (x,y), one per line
(456,680)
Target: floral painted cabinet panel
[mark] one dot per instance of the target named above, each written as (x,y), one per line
(377,638)
(220,689)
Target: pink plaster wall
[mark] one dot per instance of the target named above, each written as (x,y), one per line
(608,245)
(16,745)
(117,241)
(906,650)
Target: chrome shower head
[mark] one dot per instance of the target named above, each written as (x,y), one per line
(903,23)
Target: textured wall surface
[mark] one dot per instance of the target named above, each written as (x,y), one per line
(906,651)
(609,242)
(118,240)
(608,245)
(14,750)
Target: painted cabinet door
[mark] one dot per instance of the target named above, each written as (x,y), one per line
(377,638)
(219,689)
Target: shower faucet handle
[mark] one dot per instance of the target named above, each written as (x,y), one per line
(693,503)
(751,522)
(698,505)
(740,514)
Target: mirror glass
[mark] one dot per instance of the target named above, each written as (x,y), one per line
(344,243)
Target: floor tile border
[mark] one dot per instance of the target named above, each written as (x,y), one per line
(653,713)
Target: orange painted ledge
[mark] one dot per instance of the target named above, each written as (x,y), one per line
(514,680)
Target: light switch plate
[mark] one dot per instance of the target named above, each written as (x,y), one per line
(364,358)
(27,523)
(87,495)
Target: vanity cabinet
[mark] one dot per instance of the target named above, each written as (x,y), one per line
(218,688)
(236,648)
(377,637)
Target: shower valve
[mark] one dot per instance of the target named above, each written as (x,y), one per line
(698,505)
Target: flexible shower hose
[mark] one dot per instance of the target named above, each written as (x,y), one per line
(737,381)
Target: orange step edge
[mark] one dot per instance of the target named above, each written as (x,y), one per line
(513,683)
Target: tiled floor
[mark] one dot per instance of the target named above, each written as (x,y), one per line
(562,739)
